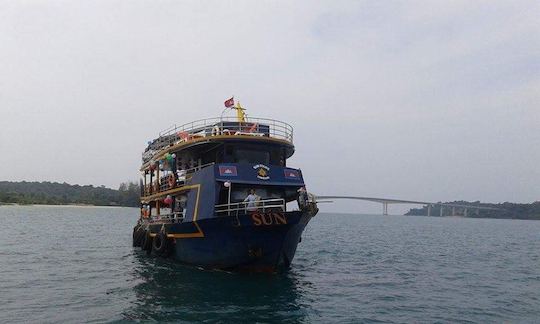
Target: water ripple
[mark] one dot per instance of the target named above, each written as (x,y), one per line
(77,265)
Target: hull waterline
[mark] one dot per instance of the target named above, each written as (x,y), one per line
(252,243)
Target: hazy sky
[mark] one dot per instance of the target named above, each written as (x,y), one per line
(428,100)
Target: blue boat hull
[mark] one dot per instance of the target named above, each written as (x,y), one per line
(249,242)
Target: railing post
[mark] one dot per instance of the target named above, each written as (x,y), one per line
(229,200)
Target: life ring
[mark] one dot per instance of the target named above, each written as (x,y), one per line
(161,244)
(183,135)
(215,131)
(226,132)
(171,181)
(253,128)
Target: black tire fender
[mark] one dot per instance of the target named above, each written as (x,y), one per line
(146,244)
(161,244)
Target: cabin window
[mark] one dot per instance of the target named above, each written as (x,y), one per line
(251,156)
(277,157)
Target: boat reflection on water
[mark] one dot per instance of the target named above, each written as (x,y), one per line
(168,291)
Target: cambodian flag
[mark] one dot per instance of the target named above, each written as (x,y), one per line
(229,103)
(292,174)
(228,171)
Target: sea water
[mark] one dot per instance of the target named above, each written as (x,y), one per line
(76,264)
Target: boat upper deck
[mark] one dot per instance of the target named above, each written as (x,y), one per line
(218,128)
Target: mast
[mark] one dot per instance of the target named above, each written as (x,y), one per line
(239,112)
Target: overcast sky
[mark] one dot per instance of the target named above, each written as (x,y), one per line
(423,100)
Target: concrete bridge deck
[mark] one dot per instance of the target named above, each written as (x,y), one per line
(387,201)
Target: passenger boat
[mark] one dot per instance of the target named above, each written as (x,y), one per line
(196,179)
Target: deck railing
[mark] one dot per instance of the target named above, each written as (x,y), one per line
(260,205)
(176,217)
(225,126)
(223,210)
(181,180)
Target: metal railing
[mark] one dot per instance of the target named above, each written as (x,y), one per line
(183,178)
(260,205)
(228,126)
(176,217)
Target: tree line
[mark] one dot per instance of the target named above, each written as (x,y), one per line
(54,193)
(504,210)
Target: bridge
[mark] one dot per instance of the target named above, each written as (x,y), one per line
(388,201)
